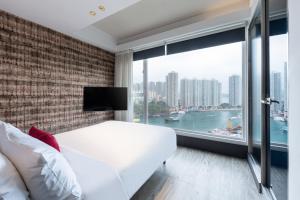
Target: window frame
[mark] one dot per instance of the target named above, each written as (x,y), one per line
(206,135)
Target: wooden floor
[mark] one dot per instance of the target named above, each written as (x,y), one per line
(279,179)
(194,175)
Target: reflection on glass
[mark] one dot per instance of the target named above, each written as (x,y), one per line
(279,114)
(278,88)
(256,118)
(199,91)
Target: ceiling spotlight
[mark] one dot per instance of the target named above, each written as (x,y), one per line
(92,13)
(101,7)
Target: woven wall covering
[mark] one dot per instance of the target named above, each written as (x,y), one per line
(42,75)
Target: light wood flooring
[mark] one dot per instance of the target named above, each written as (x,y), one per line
(195,175)
(279,182)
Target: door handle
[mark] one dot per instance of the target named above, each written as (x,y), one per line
(274,101)
(269,101)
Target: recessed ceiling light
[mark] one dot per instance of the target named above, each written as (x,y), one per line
(92,13)
(101,7)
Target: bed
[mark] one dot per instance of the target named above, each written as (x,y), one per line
(133,150)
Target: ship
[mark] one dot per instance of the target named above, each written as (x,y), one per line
(279,118)
(175,116)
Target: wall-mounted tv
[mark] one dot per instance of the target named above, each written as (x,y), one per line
(104,98)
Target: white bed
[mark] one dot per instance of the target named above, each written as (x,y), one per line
(135,151)
(97,179)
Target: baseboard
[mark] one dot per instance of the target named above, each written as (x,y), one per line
(229,149)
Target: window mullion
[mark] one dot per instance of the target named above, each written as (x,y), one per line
(145,86)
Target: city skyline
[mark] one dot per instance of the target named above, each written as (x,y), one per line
(209,63)
(196,92)
(189,92)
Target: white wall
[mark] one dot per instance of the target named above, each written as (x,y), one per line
(294,99)
(97,38)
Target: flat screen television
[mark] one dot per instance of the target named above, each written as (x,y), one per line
(104,98)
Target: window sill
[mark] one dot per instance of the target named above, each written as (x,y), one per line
(206,136)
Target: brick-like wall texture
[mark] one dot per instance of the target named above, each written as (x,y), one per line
(42,75)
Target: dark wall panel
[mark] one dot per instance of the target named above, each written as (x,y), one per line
(229,149)
(226,37)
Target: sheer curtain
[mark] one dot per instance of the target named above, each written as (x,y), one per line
(123,78)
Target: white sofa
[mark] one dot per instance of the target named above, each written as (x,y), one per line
(112,160)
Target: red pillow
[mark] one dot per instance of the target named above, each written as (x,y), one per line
(44,137)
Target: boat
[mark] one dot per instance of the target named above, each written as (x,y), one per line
(279,118)
(235,117)
(136,120)
(284,129)
(175,116)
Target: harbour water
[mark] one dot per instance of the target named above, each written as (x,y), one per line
(210,120)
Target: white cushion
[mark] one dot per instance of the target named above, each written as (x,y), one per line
(11,184)
(44,170)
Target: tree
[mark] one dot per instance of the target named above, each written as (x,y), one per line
(225,105)
(138,109)
(159,107)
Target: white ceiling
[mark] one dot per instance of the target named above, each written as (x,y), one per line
(67,16)
(127,23)
(147,15)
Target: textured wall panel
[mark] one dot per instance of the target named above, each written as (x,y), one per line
(42,75)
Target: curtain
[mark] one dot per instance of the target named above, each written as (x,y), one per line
(123,78)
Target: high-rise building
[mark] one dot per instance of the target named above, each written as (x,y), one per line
(197,92)
(172,89)
(220,94)
(285,89)
(235,90)
(151,86)
(138,87)
(275,90)
(138,92)
(206,88)
(216,90)
(160,89)
(151,91)
(186,93)
(165,90)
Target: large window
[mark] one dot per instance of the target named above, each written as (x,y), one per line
(198,91)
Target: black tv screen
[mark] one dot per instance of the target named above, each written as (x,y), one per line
(104,98)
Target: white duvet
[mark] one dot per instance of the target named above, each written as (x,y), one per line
(97,179)
(135,151)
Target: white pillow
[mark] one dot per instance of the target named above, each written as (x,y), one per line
(11,184)
(45,171)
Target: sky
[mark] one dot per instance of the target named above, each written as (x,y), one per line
(218,62)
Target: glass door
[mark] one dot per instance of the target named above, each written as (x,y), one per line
(255,96)
(259,138)
(259,106)
(268,103)
(279,110)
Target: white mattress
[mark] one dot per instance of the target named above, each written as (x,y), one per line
(134,150)
(97,179)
